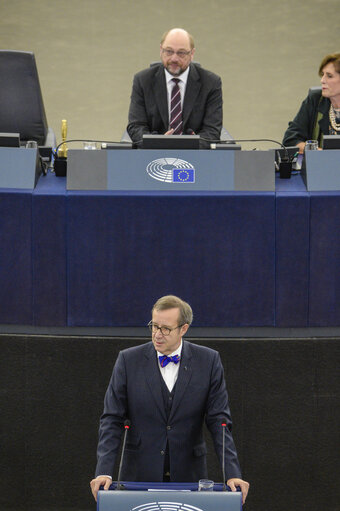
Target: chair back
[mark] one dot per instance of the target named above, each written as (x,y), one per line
(21,104)
(314,88)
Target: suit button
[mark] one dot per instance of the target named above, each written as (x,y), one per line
(162,453)
(168,427)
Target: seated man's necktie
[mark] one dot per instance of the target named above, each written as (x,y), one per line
(176,109)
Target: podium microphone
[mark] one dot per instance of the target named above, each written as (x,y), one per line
(224,425)
(127,425)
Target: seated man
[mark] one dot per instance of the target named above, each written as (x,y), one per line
(176,96)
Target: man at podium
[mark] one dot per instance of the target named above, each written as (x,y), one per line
(176,96)
(166,388)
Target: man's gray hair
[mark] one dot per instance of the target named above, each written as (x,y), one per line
(173,302)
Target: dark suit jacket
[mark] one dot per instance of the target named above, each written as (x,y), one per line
(134,392)
(311,122)
(202,106)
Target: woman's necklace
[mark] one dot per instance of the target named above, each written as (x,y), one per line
(332,119)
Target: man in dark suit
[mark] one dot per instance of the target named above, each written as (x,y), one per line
(166,388)
(200,94)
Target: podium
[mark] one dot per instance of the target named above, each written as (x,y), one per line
(171,170)
(168,496)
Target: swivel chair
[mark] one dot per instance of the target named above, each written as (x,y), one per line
(21,104)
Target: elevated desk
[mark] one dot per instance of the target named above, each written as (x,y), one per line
(292,252)
(125,250)
(307,255)
(72,258)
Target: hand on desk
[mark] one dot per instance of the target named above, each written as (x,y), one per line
(302,145)
(107,481)
(234,482)
(98,482)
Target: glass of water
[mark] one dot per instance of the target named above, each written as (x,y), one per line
(205,485)
(90,145)
(31,144)
(311,145)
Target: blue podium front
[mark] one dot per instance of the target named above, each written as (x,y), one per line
(169,500)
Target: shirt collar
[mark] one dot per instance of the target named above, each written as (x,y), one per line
(183,77)
(176,352)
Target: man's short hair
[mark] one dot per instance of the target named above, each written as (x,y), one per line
(333,58)
(191,39)
(173,302)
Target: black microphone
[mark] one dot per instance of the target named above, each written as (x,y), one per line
(189,131)
(224,425)
(127,425)
(96,141)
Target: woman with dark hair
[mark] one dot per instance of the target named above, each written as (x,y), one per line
(319,113)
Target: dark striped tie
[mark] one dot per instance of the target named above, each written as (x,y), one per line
(175,109)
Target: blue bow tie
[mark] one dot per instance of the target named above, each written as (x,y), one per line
(164,360)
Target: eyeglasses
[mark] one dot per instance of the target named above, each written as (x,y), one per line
(165,330)
(181,53)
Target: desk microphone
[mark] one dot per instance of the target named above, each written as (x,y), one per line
(224,425)
(127,425)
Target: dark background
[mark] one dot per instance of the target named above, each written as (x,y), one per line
(284,396)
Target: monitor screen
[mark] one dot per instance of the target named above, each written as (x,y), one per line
(331,142)
(171,141)
(9,140)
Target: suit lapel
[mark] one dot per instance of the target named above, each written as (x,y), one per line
(160,94)
(152,375)
(184,376)
(191,92)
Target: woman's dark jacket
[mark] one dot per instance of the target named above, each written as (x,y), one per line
(311,122)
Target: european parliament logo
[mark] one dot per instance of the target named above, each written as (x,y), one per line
(171,170)
(166,506)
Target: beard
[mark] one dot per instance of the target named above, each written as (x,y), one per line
(175,70)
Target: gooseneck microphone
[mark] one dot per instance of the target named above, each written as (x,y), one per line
(127,425)
(224,425)
(96,141)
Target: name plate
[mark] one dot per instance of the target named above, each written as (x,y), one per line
(170,170)
(18,167)
(322,170)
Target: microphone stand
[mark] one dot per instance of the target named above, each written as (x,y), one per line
(127,427)
(224,425)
